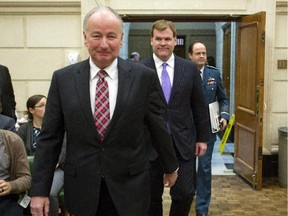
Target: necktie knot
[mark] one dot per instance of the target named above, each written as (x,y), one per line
(102,74)
(201,74)
(164,65)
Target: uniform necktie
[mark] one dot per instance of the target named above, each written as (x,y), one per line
(201,74)
(166,84)
(102,110)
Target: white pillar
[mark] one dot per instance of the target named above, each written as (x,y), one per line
(124,50)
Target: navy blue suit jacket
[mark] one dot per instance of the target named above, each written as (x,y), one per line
(7,123)
(186,110)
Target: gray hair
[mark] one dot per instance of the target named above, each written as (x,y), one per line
(98,9)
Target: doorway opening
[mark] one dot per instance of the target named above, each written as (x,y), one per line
(220,41)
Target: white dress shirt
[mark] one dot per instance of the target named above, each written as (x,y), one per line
(201,72)
(112,80)
(169,68)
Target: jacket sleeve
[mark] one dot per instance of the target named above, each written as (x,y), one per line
(20,172)
(222,99)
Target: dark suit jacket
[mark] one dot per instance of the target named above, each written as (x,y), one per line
(186,110)
(7,123)
(122,158)
(7,98)
(26,133)
(214,91)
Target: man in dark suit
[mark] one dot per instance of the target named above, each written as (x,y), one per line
(106,170)
(214,91)
(7,98)
(7,123)
(186,117)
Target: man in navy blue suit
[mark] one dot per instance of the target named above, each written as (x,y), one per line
(7,98)
(214,91)
(186,118)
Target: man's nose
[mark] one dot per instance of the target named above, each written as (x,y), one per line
(104,41)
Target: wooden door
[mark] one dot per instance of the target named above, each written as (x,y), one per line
(226,59)
(249,98)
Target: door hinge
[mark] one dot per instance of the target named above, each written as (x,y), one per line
(260,156)
(254,180)
(263,37)
(257,99)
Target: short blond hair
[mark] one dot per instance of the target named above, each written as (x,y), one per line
(161,25)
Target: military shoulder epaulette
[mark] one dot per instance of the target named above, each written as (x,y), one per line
(212,67)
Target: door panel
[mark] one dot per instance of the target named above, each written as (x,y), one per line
(249,99)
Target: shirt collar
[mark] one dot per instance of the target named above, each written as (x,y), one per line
(111,70)
(159,62)
(202,69)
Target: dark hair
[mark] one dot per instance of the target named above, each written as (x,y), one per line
(190,48)
(31,102)
(211,61)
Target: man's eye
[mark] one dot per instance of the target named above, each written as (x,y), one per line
(112,37)
(96,36)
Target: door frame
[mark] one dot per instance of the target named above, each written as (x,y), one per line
(207,18)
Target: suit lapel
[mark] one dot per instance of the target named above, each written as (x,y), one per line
(125,83)
(82,84)
(151,64)
(178,75)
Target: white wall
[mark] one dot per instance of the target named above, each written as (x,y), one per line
(37,36)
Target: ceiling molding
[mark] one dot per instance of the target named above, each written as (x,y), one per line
(40,8)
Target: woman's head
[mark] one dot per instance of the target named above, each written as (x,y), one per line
(36,106)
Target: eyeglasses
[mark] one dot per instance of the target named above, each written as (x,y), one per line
(40,106)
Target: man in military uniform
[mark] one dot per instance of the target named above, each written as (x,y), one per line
(214,91)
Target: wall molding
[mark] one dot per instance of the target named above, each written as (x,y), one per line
(281,8)
(40,8)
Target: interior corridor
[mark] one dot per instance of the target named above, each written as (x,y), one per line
(232,196)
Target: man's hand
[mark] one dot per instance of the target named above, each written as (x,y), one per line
(200,149)
(39,206)
(170,179)
(223,123)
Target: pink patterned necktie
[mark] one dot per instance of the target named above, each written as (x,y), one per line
(102,111)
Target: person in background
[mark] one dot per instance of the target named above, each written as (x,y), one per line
(15,175)
(7,98)
(29,133)
(186,121)
(7,123)
(104,104)
(214,91)
(135,57)
(211,61)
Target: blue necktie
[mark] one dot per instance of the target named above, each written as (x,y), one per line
(166,84)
